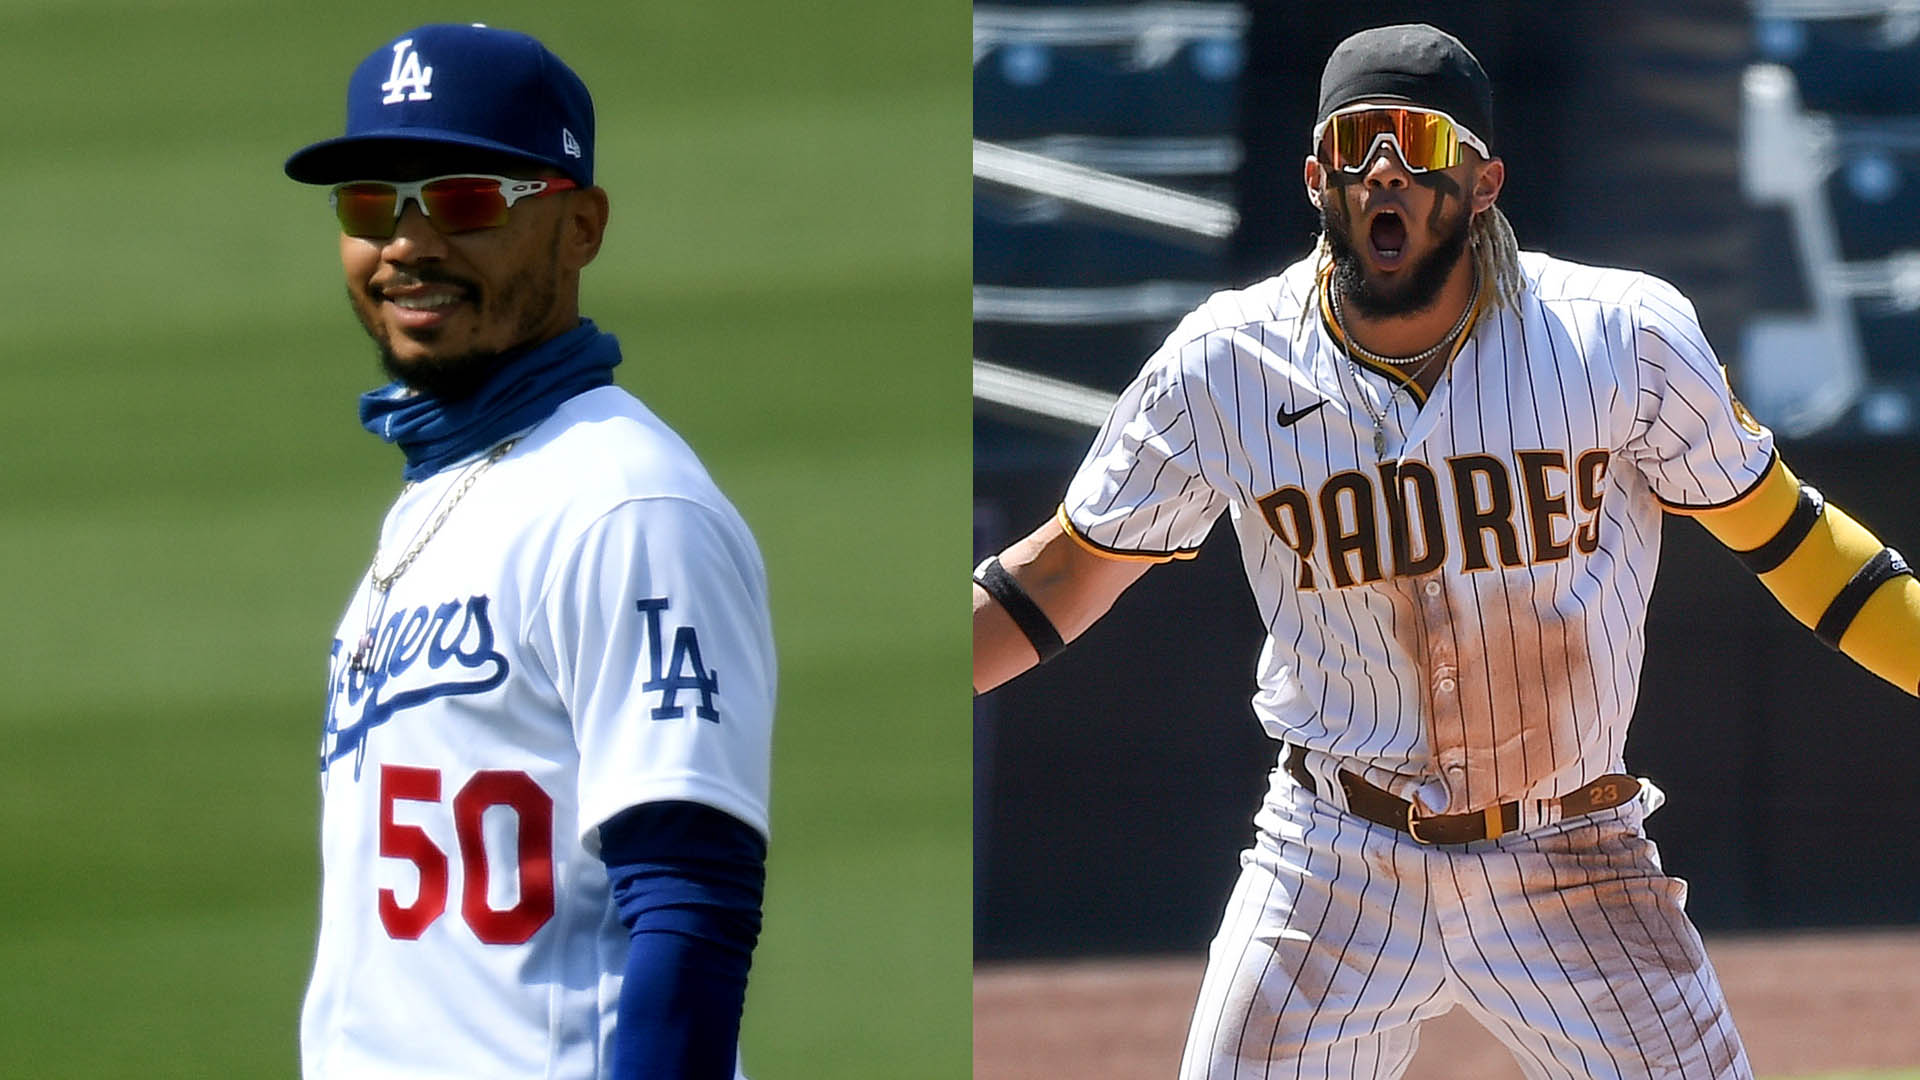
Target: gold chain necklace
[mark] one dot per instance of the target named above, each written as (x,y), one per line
(382,584)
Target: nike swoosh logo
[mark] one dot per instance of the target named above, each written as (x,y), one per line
(1288,419)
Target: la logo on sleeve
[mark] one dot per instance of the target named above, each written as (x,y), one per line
(685,671)
(408,80)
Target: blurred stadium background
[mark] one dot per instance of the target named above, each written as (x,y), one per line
(1764,156)
(188,498)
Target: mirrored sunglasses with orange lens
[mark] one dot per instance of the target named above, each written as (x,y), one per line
(1425,139)
(455,204)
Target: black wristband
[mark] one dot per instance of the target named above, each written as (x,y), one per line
(1026,614)
(1882,568)
(1768,556)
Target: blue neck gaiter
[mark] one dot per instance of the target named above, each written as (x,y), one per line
(526,390)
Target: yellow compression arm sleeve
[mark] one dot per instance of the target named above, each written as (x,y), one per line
(1828,571)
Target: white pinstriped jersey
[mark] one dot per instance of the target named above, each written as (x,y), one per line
(588,631)
(1463,622)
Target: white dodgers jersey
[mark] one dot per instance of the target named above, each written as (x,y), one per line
(1460,618)
(586,631)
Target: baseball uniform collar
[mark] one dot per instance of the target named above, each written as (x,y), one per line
(1331,327)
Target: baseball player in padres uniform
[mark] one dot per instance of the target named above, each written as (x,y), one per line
(549,704)
(1446,462)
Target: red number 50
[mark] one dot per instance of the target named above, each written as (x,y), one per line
(532,807)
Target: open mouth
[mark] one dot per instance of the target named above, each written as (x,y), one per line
(414,305)
(1388,235)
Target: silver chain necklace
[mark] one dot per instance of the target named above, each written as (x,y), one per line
(1379,419)
(1339,320)
(383,583)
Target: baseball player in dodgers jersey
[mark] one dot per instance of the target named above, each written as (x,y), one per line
(549,704)
(1446,462)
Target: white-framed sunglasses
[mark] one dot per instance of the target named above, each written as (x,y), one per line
(458,203)
(1425,139)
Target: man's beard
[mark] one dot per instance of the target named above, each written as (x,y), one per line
(448,378)
(1422,279)
(460,376)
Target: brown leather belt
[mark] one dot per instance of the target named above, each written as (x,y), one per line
(1383,807)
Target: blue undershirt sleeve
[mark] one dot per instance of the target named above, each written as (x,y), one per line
(687,880)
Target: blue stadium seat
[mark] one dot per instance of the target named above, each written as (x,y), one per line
(1102,357)
(1159,106)
(1854,65)
(1011,247)
(1890,339)
(1027,89)
(1875,187)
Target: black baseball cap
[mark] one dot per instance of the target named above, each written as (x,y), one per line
(465,85)
(1415,63)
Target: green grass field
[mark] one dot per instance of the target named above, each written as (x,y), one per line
(189,498)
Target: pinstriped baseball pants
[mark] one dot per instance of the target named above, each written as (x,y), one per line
(1567,942)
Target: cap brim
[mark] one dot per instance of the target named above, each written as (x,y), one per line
(367,155)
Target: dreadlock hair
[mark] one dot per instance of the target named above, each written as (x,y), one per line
(1496,256)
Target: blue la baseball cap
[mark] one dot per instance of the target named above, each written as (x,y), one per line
(459,85)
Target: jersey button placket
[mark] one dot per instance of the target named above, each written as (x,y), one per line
(1441,657)
(1442,684)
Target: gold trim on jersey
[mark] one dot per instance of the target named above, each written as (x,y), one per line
(1073,532)
(1753,491)
(1750,518)
(1412,386)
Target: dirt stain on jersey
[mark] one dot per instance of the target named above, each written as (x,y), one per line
(1508,684)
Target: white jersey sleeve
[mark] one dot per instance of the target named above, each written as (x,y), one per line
(1142,492)
(655,631)
(1696,445)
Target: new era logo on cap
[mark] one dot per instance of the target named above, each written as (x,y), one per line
(457,85)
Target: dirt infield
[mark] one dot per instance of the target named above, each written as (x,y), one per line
(1806,1004)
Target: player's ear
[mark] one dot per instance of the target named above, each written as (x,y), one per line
(1315,176)
(1487,182)
(584,227)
